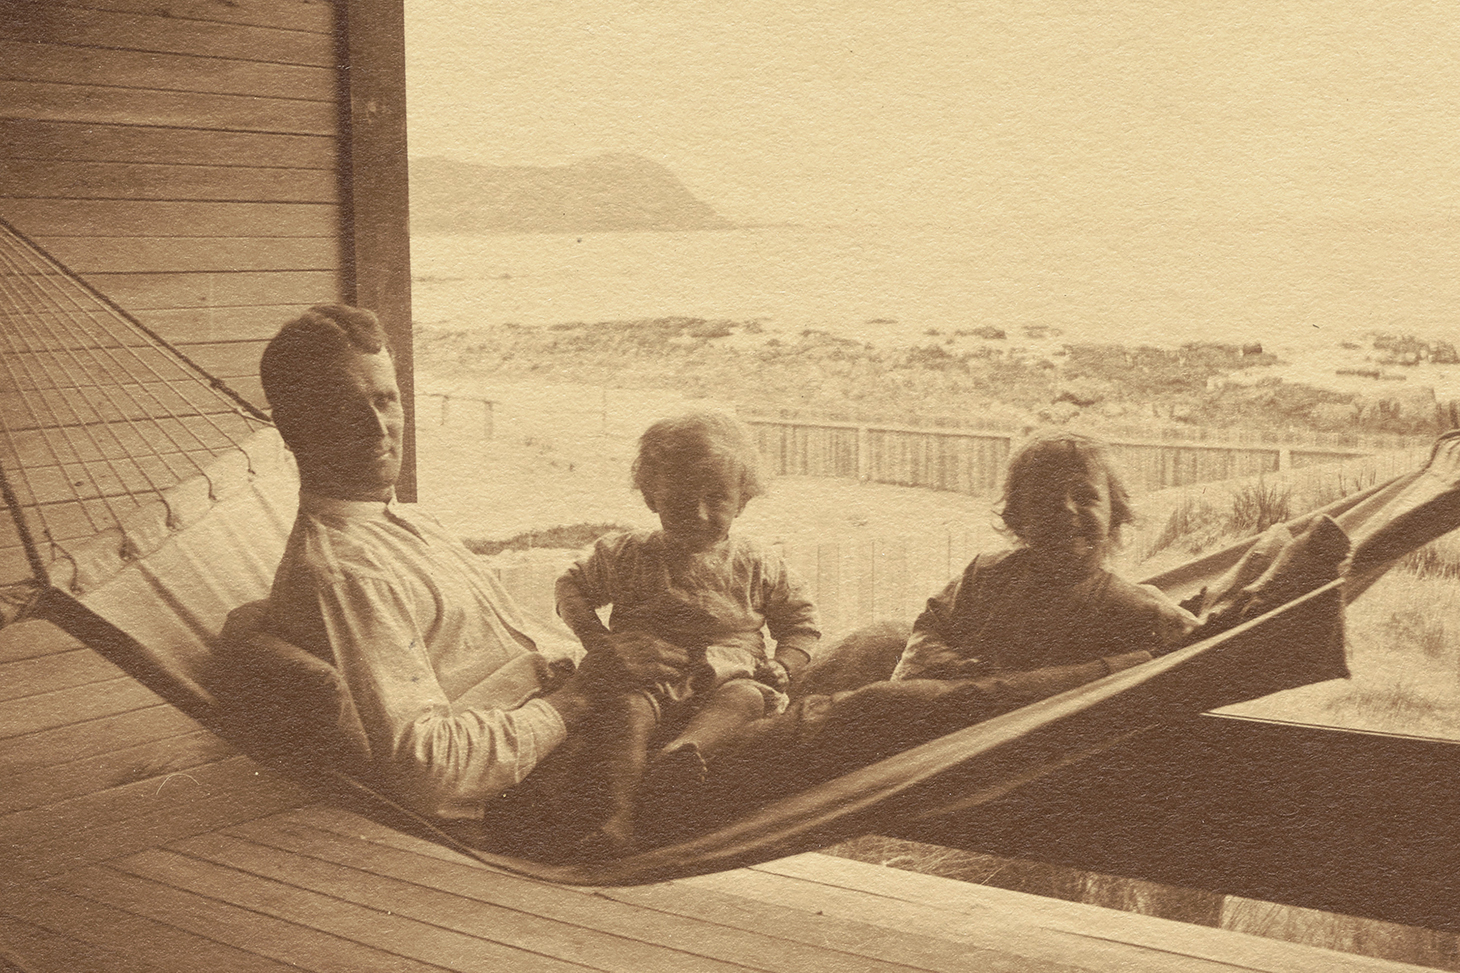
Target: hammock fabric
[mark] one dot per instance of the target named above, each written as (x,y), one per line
(1273,606)
(112,537)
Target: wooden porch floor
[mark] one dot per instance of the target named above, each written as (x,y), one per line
(219,869)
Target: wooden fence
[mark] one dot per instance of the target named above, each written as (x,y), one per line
(453,402)
(964,461)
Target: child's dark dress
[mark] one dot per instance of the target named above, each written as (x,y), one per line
(1002,615)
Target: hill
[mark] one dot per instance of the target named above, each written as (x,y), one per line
(604,193)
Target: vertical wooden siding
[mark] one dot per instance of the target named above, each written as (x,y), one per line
(961,463)
(184,157)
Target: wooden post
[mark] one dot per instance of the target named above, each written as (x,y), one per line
(376,191)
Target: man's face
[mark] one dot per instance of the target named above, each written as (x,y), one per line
(348,441)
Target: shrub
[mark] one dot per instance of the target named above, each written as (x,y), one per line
(568,536)
(1410,630)
(1439,559)
(1192,526)
(1257,506)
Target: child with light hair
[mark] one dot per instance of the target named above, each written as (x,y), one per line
(694,584)
(1052,599)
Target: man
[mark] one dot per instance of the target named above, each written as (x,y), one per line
(459,695)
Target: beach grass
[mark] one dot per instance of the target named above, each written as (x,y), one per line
(959,380)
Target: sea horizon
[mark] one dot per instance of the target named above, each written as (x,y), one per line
(1294,288)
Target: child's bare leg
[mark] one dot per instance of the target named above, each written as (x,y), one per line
(628,724)
(678,777)
(728,708)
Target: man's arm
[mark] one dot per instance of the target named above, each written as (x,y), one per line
(435,760)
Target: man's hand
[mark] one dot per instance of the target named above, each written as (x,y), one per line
(621,662)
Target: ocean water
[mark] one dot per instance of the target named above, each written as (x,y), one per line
(1294,287)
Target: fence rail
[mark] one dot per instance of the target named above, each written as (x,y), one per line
(965,461)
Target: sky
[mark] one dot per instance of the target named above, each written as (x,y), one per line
(852,111)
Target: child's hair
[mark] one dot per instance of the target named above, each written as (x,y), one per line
(702,438)
(1047,455)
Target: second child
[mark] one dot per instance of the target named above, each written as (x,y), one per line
(1051,600)
(693,584)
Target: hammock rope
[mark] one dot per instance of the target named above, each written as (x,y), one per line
(21,344)
(44,274)
(100,417)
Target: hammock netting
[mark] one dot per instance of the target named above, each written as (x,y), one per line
(101,426)
(145,502)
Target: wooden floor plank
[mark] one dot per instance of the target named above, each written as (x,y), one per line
(328,817)
(69,915)
(42,842)
(912,916)
(370,927)
(792,935)
(153,720)
(1164,935)
(239,929)
(42,786)
(25,948)
(1092,931)
(30,714)
(1003,931)
(30,639)
(847,936)
(521,928)
(706,941)
(48,673)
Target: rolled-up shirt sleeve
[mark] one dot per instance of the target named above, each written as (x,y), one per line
(928,652)
(789,612)
(435,757)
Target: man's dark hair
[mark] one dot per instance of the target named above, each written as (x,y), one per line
(303,351)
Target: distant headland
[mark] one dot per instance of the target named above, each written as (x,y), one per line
(610,192)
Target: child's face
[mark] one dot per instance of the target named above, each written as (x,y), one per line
(697,508)
(1068,517)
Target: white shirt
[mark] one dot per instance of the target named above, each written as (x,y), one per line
(440,664)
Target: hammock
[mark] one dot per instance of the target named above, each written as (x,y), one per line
(145,501)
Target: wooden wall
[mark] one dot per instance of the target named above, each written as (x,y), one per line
(186,158)
(194,161)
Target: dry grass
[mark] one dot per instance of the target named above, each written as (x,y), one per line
(1403,634)
(1204,518)
(1257,506)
